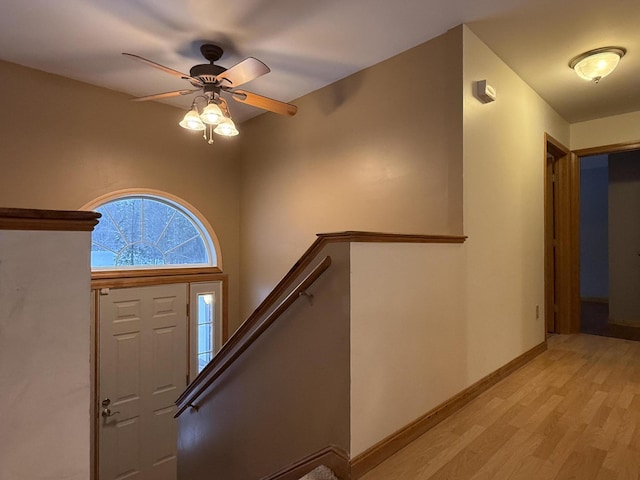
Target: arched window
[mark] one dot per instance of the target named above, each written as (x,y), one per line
(149,231)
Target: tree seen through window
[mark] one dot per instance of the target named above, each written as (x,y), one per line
(147,232)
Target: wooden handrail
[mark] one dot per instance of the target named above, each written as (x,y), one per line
(230,352)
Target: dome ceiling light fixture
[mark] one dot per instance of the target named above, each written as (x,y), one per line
(596,64)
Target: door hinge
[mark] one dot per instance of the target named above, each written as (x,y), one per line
(104,291)
(187,310)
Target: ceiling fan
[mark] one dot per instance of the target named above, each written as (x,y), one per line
(211,80)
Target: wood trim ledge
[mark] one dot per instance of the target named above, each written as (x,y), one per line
(160,277)
(357,236)
(375,455)
(57,220)
(347,237)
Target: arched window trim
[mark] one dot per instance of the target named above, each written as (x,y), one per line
(210,237)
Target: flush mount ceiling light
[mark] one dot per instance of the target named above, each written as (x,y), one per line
(597,64)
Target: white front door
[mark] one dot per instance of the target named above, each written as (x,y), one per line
(142,370)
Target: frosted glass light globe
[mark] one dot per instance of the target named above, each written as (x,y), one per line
(597,64)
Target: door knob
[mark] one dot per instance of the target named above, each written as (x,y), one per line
(106,412)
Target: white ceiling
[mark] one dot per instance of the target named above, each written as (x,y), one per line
(311,43)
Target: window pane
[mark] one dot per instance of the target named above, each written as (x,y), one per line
(193,250)
(140,254)
(180,230)
(101,257)
(127,215)
(147,231)
(156,219)
(108,236)
(205,337)
(203,359)
(205,307)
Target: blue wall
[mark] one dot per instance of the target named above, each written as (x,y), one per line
(594,220)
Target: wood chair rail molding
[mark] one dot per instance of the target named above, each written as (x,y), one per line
(357,236)
(241,341)
(54,220)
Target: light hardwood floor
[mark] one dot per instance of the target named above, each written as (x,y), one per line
(572,412)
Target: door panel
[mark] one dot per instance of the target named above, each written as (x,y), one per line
(561,240)
(142,358)
(624,238)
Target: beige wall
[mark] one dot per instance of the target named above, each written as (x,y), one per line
(332,169)
(44,355)
(623,128)
(503,210)
(65,143)
(430,320)
(408,335)
(286,396)
(378,151)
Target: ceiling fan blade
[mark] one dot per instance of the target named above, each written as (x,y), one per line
(168,70)
(158,96)
(243,72)
(265,103)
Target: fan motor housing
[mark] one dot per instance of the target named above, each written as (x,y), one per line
(206,72)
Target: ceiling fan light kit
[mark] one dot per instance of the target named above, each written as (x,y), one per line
(211,81)
(596,64)
(192,121)
(215,113)
(226,128)
(211,114)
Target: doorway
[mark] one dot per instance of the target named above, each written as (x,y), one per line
(561,281)
(563,243)
(610,243)
(152,336)
(143,365)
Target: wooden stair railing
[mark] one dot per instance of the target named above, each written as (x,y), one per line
(232,350)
